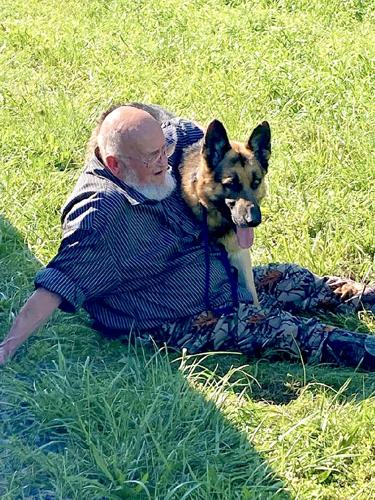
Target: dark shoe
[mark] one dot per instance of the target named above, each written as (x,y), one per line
(349,349)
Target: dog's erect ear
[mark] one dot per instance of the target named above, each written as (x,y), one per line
(215,144)
(260,143)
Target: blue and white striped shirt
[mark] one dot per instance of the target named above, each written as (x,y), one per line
(132,262)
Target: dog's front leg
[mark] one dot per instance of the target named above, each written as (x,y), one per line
(242,261)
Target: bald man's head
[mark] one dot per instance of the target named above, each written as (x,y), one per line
(132,146)
(129,131)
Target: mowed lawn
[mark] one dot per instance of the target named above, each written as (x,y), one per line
(81,417)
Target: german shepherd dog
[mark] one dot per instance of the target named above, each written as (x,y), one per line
(223,182)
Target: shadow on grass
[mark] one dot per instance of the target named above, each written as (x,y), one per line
(85,417)
(280,382)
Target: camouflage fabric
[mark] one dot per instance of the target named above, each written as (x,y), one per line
(284,290)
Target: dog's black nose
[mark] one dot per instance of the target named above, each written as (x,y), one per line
(254,216)
(230,203)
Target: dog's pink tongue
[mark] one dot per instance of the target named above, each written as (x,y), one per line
(245,236)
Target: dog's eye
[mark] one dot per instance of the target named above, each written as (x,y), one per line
(255,184)
(232,183)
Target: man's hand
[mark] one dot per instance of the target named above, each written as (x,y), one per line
(34,314)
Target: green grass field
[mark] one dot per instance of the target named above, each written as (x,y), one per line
(83,418)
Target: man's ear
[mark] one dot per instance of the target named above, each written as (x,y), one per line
(112,164)
(260,143)
(216,144)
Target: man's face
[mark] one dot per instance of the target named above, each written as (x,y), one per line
(144,162)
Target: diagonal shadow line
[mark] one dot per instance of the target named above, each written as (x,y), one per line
(46,403)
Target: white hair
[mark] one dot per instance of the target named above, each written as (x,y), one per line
(152,191)
(109,144)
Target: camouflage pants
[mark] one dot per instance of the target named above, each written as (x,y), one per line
(284,290)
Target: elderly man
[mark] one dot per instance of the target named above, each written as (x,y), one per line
(132,256)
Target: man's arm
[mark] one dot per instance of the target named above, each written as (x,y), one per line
(38,308)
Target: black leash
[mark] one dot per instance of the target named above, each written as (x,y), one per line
(206,244)
(232,275)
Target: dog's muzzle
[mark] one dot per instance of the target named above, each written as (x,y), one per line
(244,213)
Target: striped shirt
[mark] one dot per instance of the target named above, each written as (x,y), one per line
(132,262)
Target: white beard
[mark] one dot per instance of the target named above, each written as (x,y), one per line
(154,192)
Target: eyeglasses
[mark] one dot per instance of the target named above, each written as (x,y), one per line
(165,151)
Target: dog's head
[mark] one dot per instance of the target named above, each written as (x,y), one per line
(233,179)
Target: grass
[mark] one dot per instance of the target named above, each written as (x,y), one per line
(85,418)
